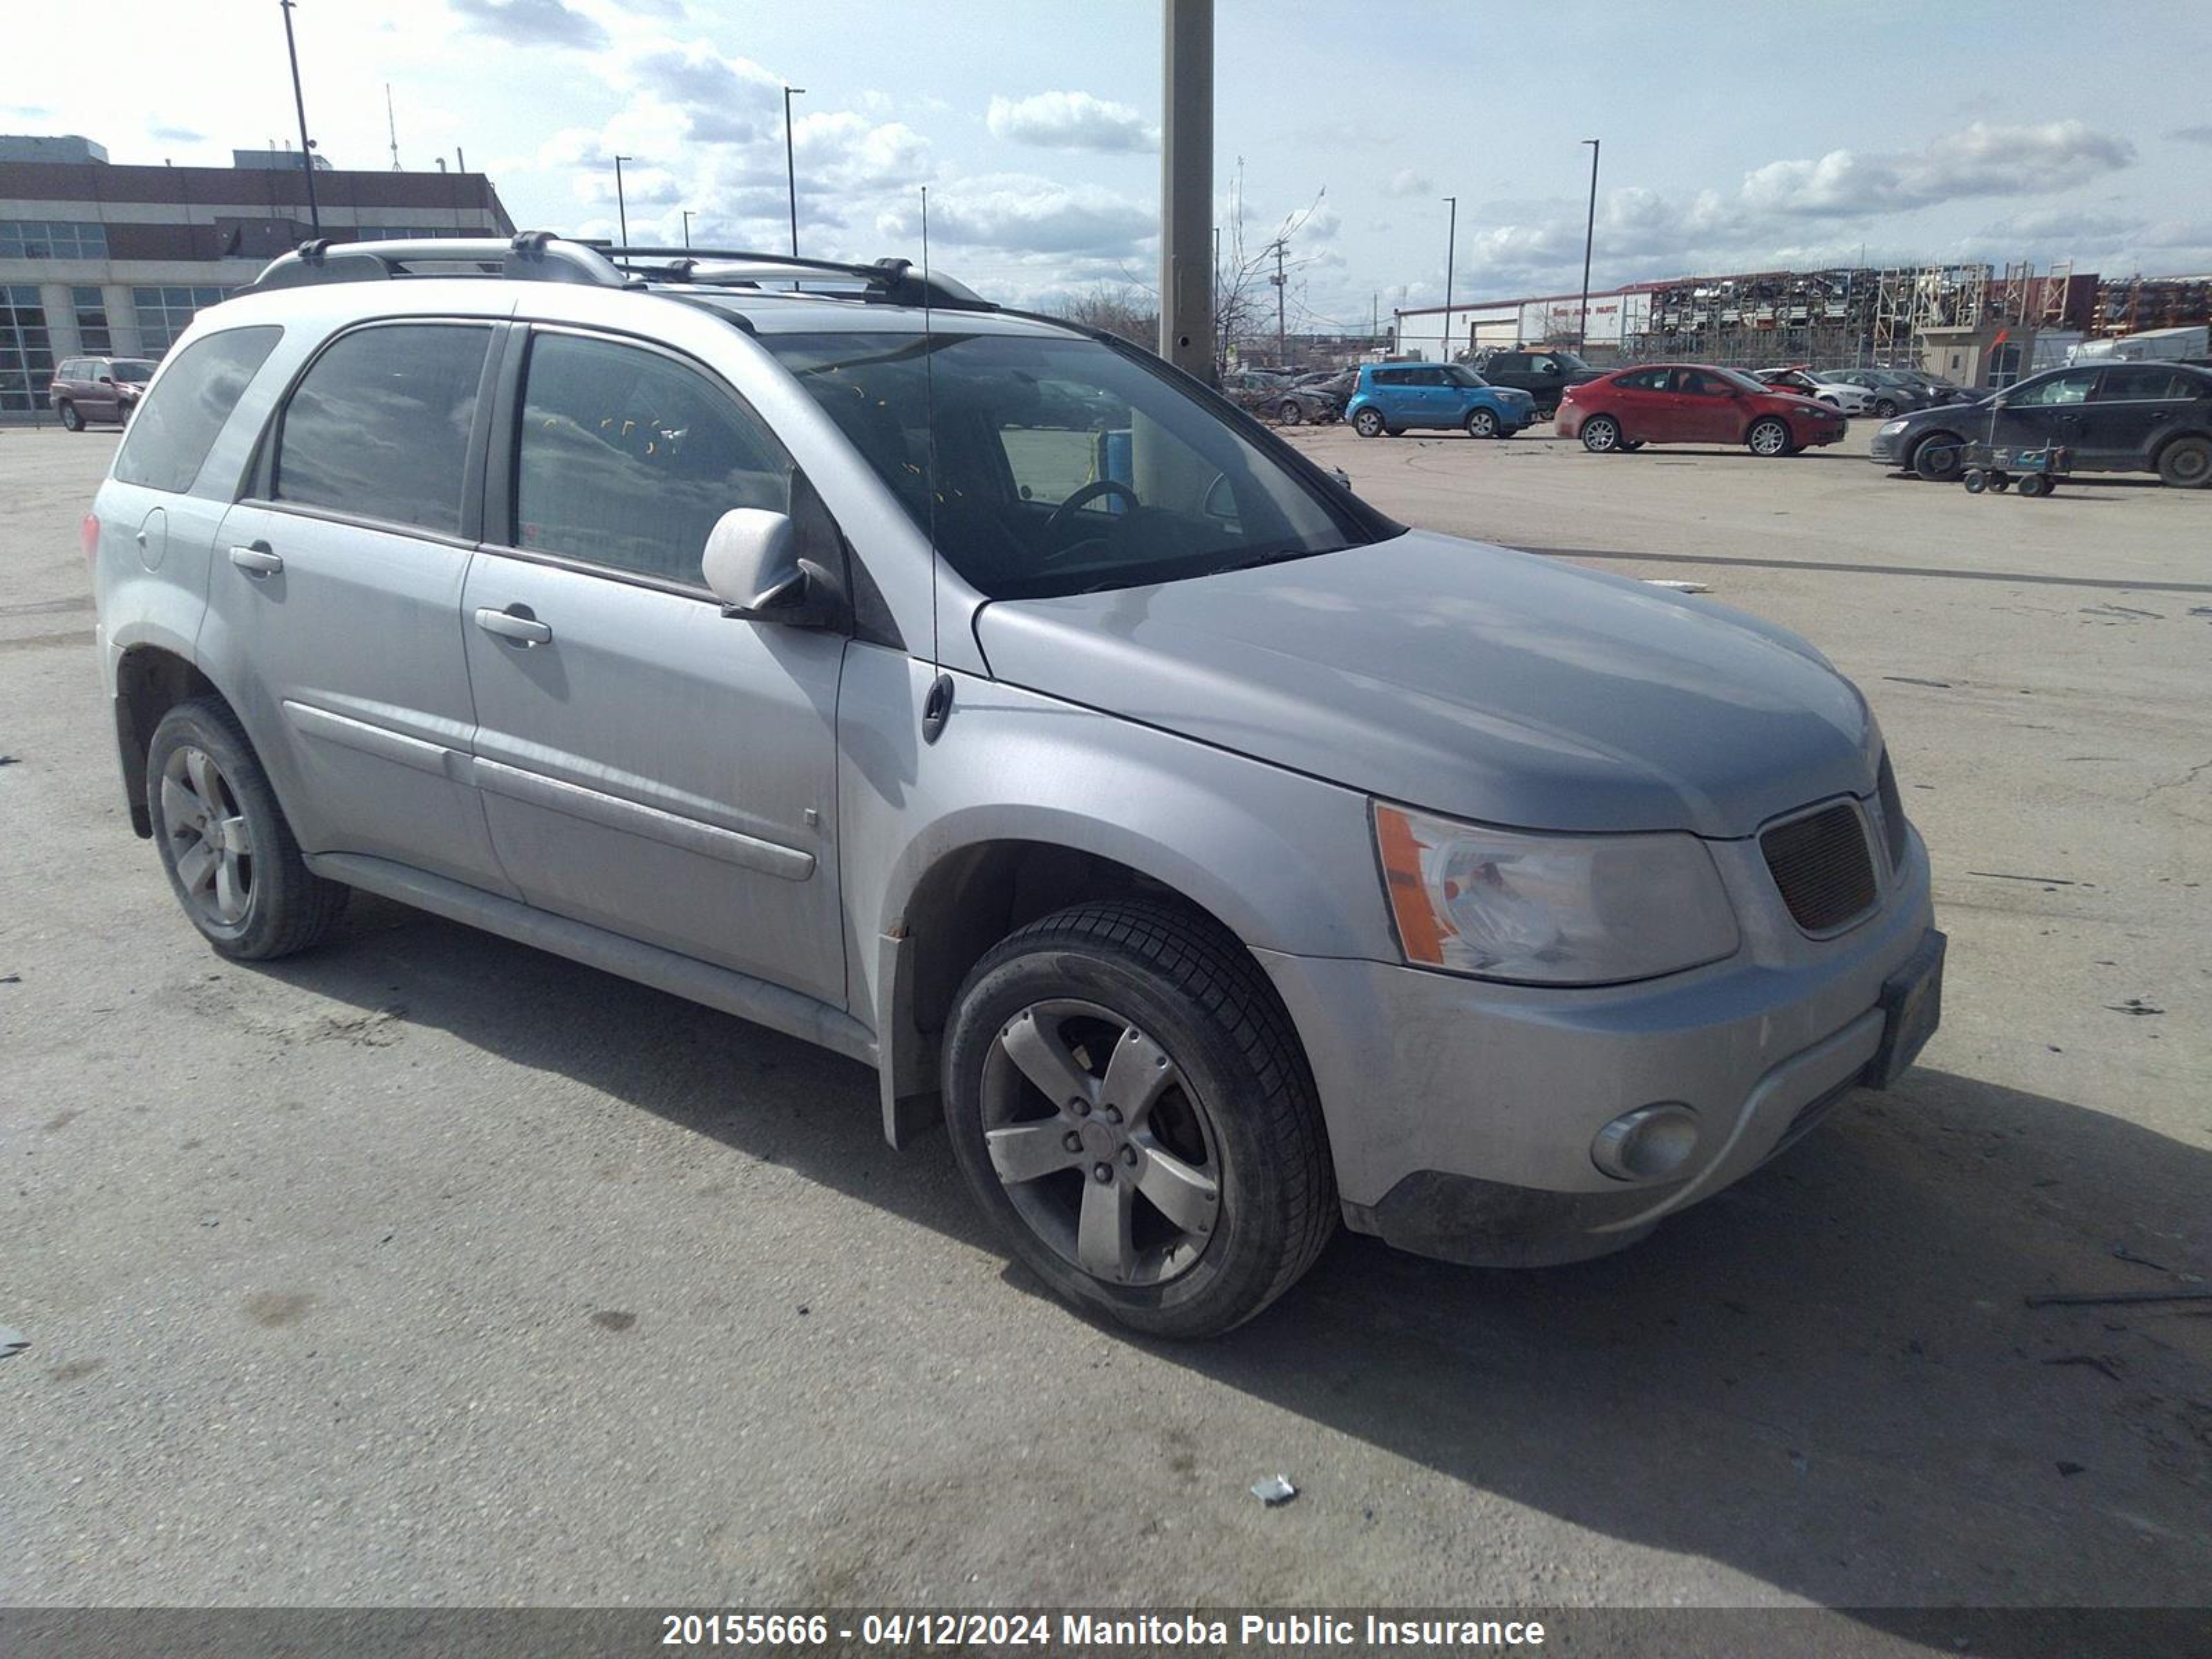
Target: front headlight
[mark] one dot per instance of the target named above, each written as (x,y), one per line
(1550,909)
(1890,428)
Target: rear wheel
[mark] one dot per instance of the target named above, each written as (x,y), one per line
(1481,423)
(1369,423)
(1886,408)
(2186,463)
(1602,435)
(230,856)
(2034,484)
(1768,436)
(1127,1102)
(1292,413)
(71,421)
(1936,458)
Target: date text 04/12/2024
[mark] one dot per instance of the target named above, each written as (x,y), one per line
(1146,1631)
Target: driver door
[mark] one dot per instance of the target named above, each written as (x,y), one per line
(647,765)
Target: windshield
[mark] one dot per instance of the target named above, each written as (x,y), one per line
(1570,361)
(1063,466)
(1460,375)
(133,374)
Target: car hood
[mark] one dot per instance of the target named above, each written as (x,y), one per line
(1474,680)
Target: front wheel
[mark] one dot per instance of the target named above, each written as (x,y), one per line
(1127,1102)
(1292,413)
(1936,458)
(230,856)
(1368,423)
(1600,434)
(1886,408)
(1768,437)
(1481,423)
(71,421)
(2186,463)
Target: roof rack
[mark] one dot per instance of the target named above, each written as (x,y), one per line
(893,281)
(543,257)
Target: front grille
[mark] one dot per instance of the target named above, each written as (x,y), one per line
(1892,815)
(1823,867)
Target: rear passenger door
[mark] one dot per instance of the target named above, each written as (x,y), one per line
(335,587)
(2134,407)
(649,765)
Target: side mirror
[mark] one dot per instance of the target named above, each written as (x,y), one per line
(751,564)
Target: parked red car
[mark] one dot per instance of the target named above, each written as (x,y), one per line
(1692,403)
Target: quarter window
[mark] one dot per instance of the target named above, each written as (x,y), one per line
(379,428)
(170,436)
(626,458)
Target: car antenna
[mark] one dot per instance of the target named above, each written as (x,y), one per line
(938,704)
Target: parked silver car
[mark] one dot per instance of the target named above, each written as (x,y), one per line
(1214,857)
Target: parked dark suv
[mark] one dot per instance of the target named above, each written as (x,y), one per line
(1543,375)
(2117,417)
(87,389)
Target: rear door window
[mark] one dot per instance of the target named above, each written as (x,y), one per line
(2147,384)
(379,428)
(181,419)
(1642,380)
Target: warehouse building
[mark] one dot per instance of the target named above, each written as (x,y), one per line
(97,257)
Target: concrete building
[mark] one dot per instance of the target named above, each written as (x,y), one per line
(96,258)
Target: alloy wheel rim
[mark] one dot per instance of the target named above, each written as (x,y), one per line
(1768,440)
(1103,1147)
(1600,434)
(1483,424)
(209,845)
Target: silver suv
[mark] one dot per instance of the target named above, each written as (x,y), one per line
(977,696)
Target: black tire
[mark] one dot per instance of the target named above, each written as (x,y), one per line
(1292,413)
(1768,436)
(1369,423)
(1602,435)
(1551,414)
(1886,408)
(1196,991)
(1936,458)
(2186,463)
(1630,446)
(1481,423)
(287,907)
(71,421)
(1976,481)
(2000,482)
(2033,485)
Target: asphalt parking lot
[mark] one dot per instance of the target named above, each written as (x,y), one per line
(429,1268)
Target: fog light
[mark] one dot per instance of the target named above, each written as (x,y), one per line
(1648,1144)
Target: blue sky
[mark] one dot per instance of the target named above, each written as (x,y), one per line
(1736,137)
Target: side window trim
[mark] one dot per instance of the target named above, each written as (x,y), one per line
(258,486)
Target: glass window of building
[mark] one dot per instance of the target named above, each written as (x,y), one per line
(92,331)
(27,355)
(165,313)
(52,238)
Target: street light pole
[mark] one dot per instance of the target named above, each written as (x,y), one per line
(1451,251)
(791,167)
(299,104)
(622,209)
(1589,234)
(687,227)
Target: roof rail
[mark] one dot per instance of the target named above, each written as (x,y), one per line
(541,256)
(534,256)
(893,281)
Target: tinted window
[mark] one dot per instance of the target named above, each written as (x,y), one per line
(1426,377)
(1393,377)
(1506,360)
(1642,380)
(178,423)
(2071,387)
(2135,384)
(380,427)
(627,458)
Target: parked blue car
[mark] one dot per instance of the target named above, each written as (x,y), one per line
(1395,398)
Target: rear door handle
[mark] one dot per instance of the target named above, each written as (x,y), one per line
(522,629)
(256,560)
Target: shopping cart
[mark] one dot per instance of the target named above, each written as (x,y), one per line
(1999,467)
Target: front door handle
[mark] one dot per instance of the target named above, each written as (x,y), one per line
(509,625)
(256,560)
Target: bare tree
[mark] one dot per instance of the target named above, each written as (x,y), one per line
(1244,272)
(1127,309)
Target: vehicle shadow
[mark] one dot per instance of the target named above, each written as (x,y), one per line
(1827,1379)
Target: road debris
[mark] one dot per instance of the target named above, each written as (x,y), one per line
(2048,881)
(2094,1362)
(1275,1490)
(2134,1005)
(12,1342)
(2122,1252)
(1908,679)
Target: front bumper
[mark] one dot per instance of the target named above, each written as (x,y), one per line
(1887,448)
(1462,1114)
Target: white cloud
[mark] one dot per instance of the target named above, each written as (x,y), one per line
(1021,213)
(1070,120)
(530,22)
(1407,182)
(1981,161)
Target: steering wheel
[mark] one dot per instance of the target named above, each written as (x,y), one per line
(1082,497)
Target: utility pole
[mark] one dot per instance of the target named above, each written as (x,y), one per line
(791,167)
(1451,249)
(1589,234)
(687,227)
(1187,301)
(1282,340)
(392,124)
(299,104)
(622,209)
